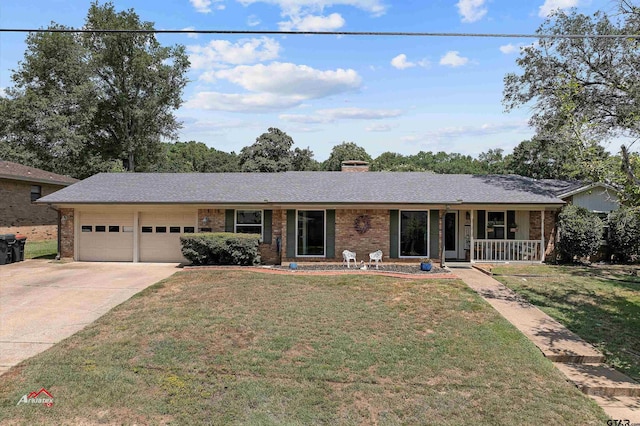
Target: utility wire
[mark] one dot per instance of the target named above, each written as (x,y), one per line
(335,33)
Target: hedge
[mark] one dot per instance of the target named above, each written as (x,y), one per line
(624,233)
(221,248)
(580,233)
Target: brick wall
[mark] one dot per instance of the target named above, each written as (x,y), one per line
(67,233)
(214,219)
(19,215)
(376,238)
(535,229)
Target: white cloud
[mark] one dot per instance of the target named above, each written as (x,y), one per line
(274,87)
(242,102)
(509,48)
(400,62)
(471,10)
(380,128)
(3,92)
(220,52)
(313,23)
(451,133)
(550,6)
(335,114)
(303,7)
(253,21)
(290,79)
(453,59)
(204,6)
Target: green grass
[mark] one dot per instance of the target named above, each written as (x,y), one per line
(223,347)
(47,249)
(600,303)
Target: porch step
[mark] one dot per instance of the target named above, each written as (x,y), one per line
(600,380)
(620,407)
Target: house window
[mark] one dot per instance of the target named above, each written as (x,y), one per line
(248,222)
(414,232)
(161,229)
(147,229)
(36,192)
(114,228)
(496,227)
(189,229)
(101,228)
(310,232)
(127,229)
(87,228)
(174,229)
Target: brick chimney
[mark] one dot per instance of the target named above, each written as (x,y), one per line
(355,166)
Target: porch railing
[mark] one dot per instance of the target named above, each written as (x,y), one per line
(507,250)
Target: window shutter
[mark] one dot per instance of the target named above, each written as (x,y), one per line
(229,220)
(481,224)
(511,219)
(291,233)
(394,225)
(266,226)
(330,249)
(434,234)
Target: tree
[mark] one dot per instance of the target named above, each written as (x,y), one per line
(580,233)
(583,90)
(344,152)
(624,233)
(47,114)
(271,152)
(189,157)
(138,83)
(302,160)
(493,161)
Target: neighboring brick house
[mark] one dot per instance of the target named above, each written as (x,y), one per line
(310,216)
(20,186)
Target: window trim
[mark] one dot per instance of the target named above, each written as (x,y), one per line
(235,221)
(505,226)
(324,243)
(428,211)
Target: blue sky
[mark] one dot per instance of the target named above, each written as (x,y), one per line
(400,94)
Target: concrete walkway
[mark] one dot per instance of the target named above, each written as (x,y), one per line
(42,302)
(617,394)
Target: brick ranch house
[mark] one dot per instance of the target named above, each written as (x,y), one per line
(310,216)
(20,186)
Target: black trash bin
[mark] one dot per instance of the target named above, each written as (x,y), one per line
(21,241)
(7,242)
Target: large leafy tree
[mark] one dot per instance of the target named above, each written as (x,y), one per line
(138,82)
(192,156)
(584,90)
(271,152)
(344,152)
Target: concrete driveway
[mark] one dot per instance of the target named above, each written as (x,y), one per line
(42,303)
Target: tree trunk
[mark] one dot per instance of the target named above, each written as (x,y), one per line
(131,167)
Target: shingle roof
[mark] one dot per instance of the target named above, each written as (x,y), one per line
(559,187)
(9,170)
(303,187)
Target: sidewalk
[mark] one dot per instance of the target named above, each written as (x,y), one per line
(617,394)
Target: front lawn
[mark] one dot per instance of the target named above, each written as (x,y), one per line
(47,249)
(223,347)
(600,303)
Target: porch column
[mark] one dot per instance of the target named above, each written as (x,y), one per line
(136,236)
(542,235)
(76,235)
(472,250)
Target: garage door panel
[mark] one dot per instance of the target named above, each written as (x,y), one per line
(161,244)
(106,237)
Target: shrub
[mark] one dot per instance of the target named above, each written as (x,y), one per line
(221,248)
(580,233)
(624,233)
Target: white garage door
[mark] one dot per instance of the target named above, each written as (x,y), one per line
(106,237)
(160,235)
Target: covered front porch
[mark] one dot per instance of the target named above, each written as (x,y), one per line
(496,234)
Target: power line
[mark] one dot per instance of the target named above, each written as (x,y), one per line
(334,33)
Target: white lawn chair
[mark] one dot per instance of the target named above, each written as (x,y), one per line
(348,256)
(377,256)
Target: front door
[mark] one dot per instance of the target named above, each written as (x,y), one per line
(451,235)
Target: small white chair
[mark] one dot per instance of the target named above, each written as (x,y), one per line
(377,256)
(348,256)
